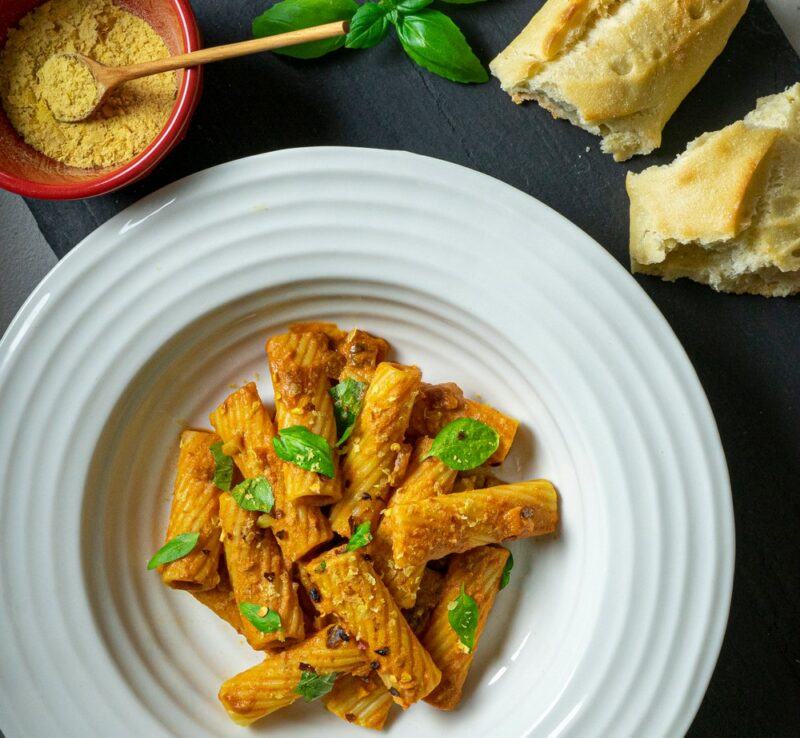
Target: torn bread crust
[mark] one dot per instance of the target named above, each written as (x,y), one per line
(726,212)
(616,68)
(619,137)
(724,269)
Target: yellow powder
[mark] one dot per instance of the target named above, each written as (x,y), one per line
(130,117)
(68,87)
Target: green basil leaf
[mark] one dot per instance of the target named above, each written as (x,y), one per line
(361,537)
(323,565)
(434,42)
(262,618)
(254,494)
(174,549)
(412,6)
(505,577)
(368,27)
(299,446)
(347,398)
(463,616)
(464,444)
(292,15)
(223,467)
(313,685)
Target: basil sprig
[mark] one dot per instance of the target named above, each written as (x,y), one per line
(261,617)
(463,617)
(292,15)
(223,467)
(254,494)
(361,537)
(174,549)
(434,42)
(464,444)
(368,28)
(505,577)
(313,685)
(429,37)
(347,398)
(299,446)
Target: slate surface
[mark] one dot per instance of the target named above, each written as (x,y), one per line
(745,349)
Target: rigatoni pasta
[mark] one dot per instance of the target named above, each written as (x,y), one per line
(426,477)
(195,506)
(357,544)
(433,528)
(376,453)
(363,701)
(362,352)
(478,573)
(439,404)
(273,683)
(298,365)
(259,575)
(247,431)
(350,589)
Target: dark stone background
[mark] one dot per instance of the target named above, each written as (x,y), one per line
(745,349)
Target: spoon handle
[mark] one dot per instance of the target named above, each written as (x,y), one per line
(229,51)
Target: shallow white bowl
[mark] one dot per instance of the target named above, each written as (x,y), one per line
(612,629)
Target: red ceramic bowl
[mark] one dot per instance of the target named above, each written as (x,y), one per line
(27,172)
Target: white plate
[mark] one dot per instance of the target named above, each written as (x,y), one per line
(613,629)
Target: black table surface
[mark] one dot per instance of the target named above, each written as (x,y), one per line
(745,349)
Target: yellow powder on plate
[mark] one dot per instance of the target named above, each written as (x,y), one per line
(130,117)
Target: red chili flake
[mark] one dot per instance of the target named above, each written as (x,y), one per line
(349,717)
(306,667)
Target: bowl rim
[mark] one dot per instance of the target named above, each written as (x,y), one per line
(172,132)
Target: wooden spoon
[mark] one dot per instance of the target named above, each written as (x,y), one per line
(107,78)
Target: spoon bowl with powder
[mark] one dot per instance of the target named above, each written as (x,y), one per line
(75,86)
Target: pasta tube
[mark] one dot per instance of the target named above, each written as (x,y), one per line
(362,352)
(479,572)
(243,424)
(348,587)
(270,685)
(440,404)
(425,478)
(427,596)
(358,352)
(195,508)
(363,701)
(376,454)
(298,366)
(220,600)
(259,575)
(430,529)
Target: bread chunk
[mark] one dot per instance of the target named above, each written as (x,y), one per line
(616,68)
(726,212)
